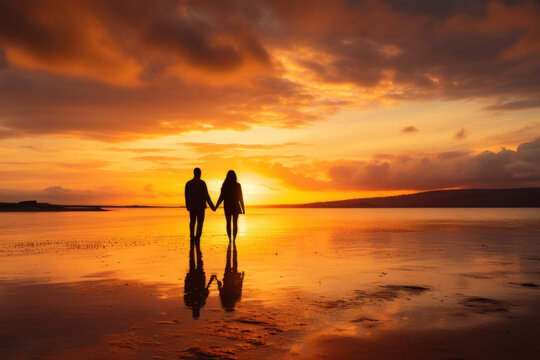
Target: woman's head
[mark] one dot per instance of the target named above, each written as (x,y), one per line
(231,176)
(230,180)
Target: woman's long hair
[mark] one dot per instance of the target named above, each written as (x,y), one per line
(230,180)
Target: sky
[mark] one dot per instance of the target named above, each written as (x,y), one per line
(115,102)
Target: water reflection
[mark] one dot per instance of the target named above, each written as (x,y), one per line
(195,287)
(320,281)
(230,289)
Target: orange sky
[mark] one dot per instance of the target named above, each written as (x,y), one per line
(116,101)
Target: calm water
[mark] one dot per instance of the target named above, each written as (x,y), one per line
(112,283)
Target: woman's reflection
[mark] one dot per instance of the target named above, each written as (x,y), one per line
(195,287)
(230,290)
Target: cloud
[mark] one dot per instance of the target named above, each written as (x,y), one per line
(207,148)
(409,129)
(120,42)
(460,134)
(415,50)
(99,111)
(516,136)
(83,165)
(119,70)
(76,166)
(505,168)
(159,159)
(411,171)
(452,154)
(514,105)
(138,150)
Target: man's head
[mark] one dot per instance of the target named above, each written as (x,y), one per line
(197,173)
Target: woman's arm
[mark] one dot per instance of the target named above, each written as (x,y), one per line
(220,200)
(241,199)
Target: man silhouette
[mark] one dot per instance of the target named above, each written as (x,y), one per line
(197,196)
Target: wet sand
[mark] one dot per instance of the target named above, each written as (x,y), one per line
(318,284)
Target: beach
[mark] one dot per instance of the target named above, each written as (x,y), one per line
(317,284)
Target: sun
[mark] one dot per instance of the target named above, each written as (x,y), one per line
(257,189)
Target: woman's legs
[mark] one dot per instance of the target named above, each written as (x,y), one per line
(228,219)
(235,227)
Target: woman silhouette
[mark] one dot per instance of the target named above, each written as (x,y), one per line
(233,202)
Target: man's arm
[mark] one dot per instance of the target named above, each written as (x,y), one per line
(207,197)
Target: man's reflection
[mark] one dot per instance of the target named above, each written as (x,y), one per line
(195,287)
(230,290)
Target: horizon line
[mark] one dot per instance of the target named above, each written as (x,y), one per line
(173,206)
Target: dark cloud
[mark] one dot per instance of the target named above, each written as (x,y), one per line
(452,154)
(460,134)
(438,9)
(102,34)
(3,60)
(426,49)
(505,168)
(409,129)
(116,70)
(42,104)
(515,105)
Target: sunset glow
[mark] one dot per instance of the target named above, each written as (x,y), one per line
(116,102)
(269,179)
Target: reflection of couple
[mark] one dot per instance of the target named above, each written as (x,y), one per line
(197,196)
(196,290)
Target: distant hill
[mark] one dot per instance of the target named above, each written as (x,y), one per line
(467,198)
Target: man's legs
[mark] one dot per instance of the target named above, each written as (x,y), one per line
(200,222)
(192,218)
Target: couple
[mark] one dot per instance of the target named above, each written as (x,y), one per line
(197,196)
